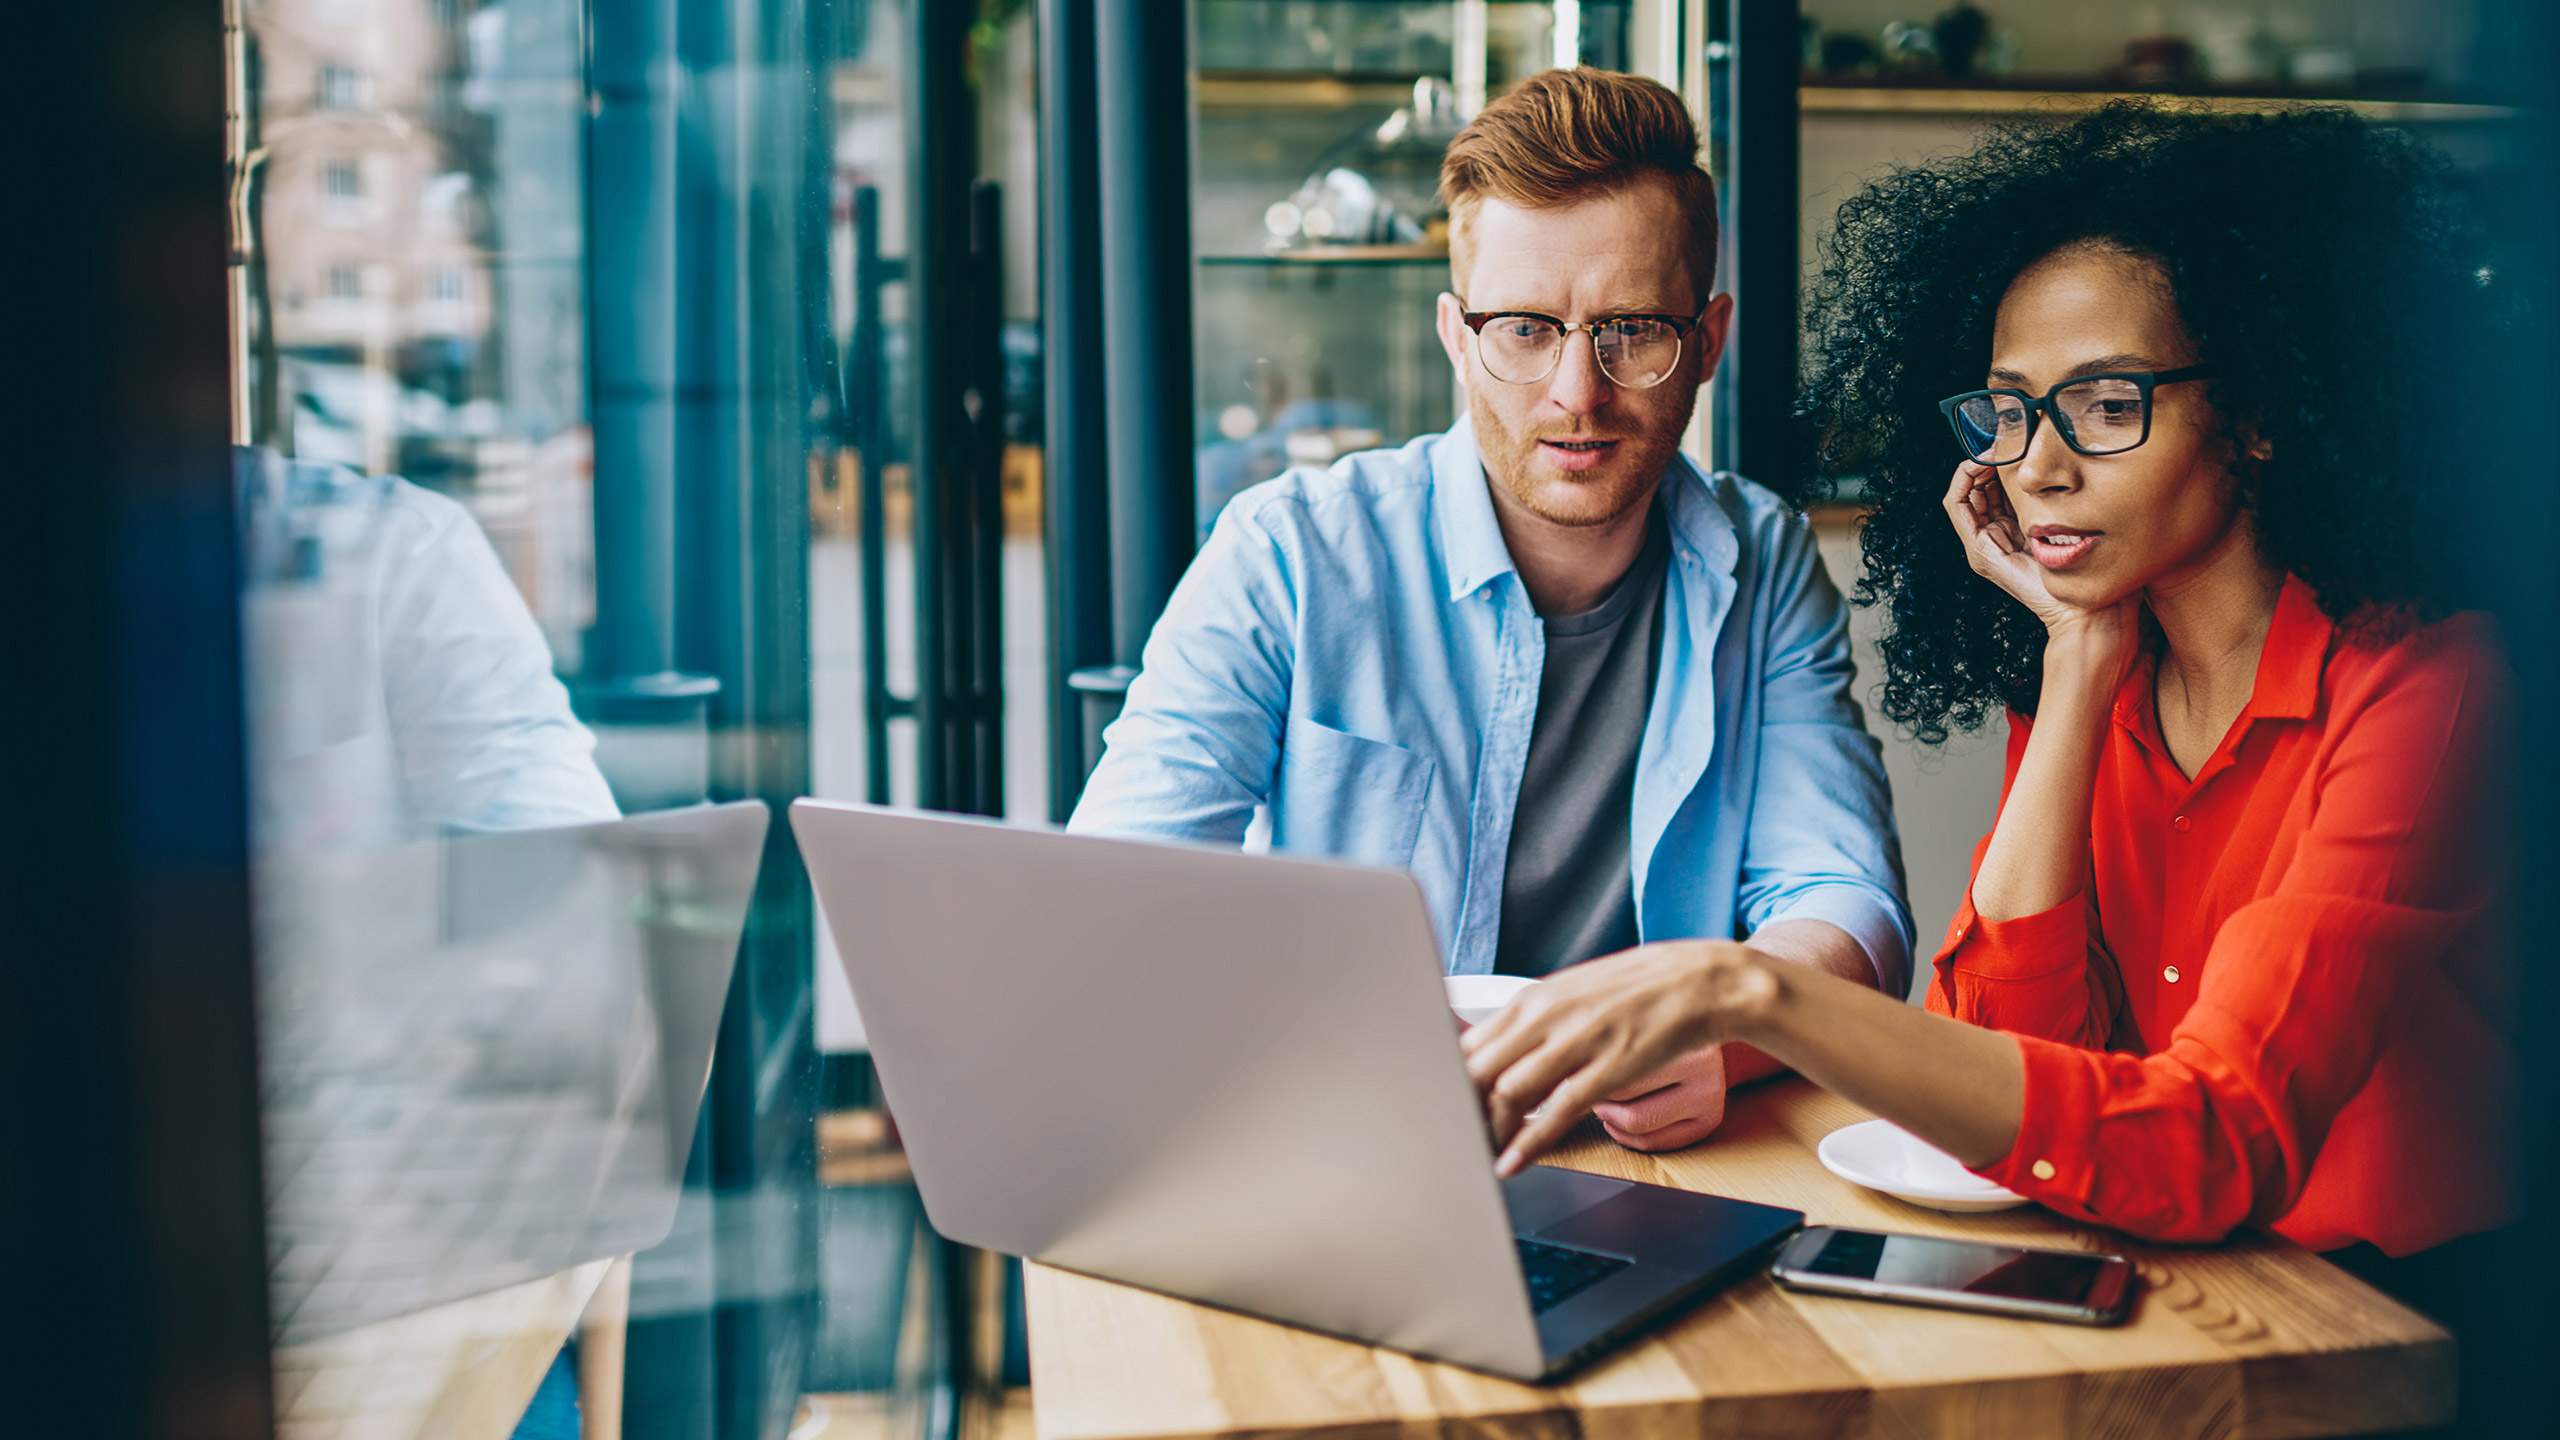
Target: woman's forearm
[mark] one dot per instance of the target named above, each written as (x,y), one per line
(2039,851)
(1959,1087)
(1817,945)
(1596,1028)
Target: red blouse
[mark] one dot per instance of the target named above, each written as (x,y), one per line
(2309,936)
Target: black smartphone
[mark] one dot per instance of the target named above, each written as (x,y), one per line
(2083,1286)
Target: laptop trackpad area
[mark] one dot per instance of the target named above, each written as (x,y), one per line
(1543,1194)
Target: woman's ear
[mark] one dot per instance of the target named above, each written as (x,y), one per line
(2251,438)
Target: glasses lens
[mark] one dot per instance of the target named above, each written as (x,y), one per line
(1637,353)
(2104,415)
(1519,348)
(1993,428)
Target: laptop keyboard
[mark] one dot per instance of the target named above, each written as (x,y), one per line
(1557,1273)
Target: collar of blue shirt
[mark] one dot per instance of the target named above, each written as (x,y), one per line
(1471,536)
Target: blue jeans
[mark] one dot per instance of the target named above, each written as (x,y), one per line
(553,1415)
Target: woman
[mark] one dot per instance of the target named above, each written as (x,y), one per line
(2231,951)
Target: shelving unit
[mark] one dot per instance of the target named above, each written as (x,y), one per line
(2064,98)
(1340,255)
(1309,352)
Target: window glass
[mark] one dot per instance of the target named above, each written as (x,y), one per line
(524,420)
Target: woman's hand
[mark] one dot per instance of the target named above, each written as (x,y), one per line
(1601,1028)
(1997,547)
(2039,850)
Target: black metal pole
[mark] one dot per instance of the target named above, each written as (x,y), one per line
(1143,125)
(942,161)
(868,432)
(983,665)
(1075,463)
(1754,94)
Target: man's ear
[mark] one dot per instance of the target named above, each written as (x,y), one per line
(1712,329)
(1451,322)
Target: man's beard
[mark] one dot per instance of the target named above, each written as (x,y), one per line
(1627,480)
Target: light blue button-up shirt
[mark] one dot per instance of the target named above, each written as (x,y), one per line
(1353,650)
(399,688)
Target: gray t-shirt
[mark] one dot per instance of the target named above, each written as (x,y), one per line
(1568,891)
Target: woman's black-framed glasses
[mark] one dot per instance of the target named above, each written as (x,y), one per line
(2097,414)
(1636,352)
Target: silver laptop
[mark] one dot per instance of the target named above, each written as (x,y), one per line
(1232,1078)
(484,1054)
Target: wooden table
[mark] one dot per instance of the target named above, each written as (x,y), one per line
(2256,1337)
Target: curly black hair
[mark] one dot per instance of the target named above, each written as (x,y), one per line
(2329,270)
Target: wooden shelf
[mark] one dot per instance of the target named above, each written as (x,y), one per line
(1339,255)
(2008,100)
(2056,95)
(1295,90)
(855,1147)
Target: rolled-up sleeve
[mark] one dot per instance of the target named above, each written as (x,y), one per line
(2030,974)
(2221,1128)
(1821,843)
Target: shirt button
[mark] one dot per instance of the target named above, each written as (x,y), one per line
(2042,1169)
(2169,973)
(2181,824)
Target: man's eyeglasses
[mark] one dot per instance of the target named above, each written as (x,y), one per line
(1636,352)
(2097,414)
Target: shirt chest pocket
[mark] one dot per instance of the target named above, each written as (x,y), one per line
(1348,797)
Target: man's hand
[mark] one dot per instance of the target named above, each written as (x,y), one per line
(1603,1029)
(1676,1106)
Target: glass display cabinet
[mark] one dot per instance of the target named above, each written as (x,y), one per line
(1320,245)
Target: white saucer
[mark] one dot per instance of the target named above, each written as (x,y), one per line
(1883,1156)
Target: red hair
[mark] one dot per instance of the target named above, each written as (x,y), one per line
(1567,135)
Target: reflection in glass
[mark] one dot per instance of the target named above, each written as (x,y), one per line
(484,1054)
(399,686)
(480,623)
(484,1035)
(414,294)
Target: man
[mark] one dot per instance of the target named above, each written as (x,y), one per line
(1585,693)
(398,686)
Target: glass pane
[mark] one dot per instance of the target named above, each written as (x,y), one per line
(527,399)
(420,471)
(884,1275)
(419,559)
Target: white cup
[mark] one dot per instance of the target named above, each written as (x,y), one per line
(1478,998)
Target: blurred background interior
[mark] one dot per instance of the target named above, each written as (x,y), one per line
(819,397)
